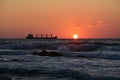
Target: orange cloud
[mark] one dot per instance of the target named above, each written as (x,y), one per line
(89,25)
(100,23)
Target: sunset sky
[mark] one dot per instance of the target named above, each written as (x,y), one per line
(87,18)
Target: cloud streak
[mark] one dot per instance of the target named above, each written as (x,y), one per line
(89,25)
(100,23)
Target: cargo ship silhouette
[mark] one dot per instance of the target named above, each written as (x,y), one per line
(41,36)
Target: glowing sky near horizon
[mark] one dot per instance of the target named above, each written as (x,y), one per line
(87,18)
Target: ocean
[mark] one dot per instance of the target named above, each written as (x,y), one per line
(83,59)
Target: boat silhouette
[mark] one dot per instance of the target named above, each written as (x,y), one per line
(41,36)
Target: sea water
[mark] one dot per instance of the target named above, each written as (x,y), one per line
(101,59)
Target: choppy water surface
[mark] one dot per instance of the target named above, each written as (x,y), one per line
(102,60)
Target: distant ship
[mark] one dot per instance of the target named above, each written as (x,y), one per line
(41,36)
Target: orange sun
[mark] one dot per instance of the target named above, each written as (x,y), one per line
(75,36)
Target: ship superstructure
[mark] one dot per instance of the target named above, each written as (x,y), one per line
(41,36)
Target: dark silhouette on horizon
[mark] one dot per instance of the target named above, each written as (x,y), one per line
(41,36)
